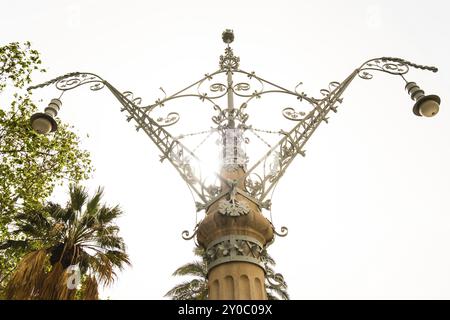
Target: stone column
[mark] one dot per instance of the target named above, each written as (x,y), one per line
(234,232)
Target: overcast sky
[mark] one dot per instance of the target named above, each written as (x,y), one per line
(368,209)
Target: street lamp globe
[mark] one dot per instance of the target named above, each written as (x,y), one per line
(427,106)
(43,123)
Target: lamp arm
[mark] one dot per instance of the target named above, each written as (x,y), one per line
(391,65)
(172,149)
(293,141)
(73,80)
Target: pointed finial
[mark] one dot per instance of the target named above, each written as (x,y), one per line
(228,36)
(228,61)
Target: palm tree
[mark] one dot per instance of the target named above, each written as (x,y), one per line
(197,287)
(82,234)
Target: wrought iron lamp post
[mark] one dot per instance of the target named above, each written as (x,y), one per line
(234,230)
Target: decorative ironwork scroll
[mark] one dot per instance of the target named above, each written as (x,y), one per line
(73,80)
(391,65)
(283,232)
(186,235)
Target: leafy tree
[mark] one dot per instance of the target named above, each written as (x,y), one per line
(82,233)
(18,63)
(30,164)
(197,287)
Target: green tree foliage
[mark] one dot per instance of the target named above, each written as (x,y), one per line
(196,288)
(17,63)
(57,238)
(30,164)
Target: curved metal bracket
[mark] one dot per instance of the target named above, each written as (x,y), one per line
(73,80)
(283,231)
(186,234)
(391,65)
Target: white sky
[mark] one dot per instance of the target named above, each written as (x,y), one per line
(367,209)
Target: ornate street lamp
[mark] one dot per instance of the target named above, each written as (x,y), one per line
(234,231)
(44,123)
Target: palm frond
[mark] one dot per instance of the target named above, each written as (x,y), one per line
(33,223)
(199,251)
(280,292)
(60,214)
(266,257)
(118,258)
(103,268)
(106,214)
(107,240)
(195,268)
(195,289)
(90,290)
(55,285)
(78,197)
(28,276)
(94,202)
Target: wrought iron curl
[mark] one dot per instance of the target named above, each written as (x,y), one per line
(169,120)
(215,90)
(290,114)
(391,65)
(241,87)
(395,67)
(254,186)
(224,114)
(218,119)
(300,94)
(186,235)
(283,231)
(215,87)
(331,87)
(130,96)
(73,80)
(212,190)
(240,115)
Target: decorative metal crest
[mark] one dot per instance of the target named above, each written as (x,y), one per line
(233,208)
(229,61)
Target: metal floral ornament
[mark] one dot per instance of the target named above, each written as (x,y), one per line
(228,94)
